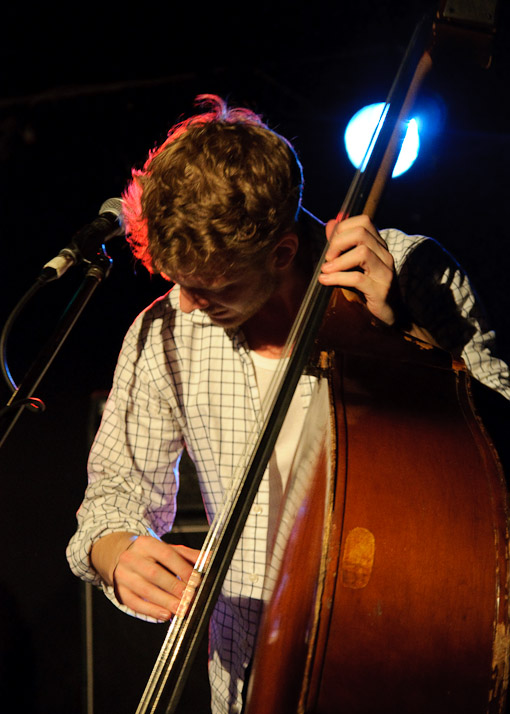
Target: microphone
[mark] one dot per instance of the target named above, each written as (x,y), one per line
(87,240)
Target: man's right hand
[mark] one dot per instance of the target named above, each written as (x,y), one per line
(149,576)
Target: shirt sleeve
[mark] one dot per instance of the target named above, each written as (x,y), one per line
(133,463)
(440,298)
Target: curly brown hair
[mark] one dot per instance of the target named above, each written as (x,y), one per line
(218,193)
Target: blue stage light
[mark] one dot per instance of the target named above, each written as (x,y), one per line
(359,132)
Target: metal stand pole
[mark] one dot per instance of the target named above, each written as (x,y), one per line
(98,269)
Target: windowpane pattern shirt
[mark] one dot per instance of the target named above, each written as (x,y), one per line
(182,381)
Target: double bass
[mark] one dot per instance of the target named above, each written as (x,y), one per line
(388,586)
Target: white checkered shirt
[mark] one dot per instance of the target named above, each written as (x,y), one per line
(181,380)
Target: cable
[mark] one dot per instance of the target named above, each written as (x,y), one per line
(5,336)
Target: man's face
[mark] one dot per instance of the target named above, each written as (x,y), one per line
(230,300)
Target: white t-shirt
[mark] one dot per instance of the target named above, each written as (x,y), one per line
(281,461)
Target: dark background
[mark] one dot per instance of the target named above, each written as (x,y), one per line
(83,98)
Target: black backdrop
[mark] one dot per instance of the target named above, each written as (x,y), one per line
(83,99)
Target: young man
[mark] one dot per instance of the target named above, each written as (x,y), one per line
(217,210)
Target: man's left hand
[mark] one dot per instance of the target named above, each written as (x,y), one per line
(358,258)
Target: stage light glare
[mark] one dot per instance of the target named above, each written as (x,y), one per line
(359,132)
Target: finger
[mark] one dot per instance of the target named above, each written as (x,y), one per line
(178,560)
(147,600)
(371,290)
(352,279)
(158,563)
(360,248)
(175,559)
(346,241)
(136,578)
(330,227)
(354,222)
(190,554)
(361,257)
(347,234)
(375,293)
(362,222)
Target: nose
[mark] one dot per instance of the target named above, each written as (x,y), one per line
(192,300)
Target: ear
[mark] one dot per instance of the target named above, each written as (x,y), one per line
(285,251)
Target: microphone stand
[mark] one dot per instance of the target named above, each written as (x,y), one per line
(99,266)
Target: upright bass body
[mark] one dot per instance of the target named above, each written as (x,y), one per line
(390,573)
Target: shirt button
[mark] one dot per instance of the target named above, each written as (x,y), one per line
(257,509)
(254,577)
